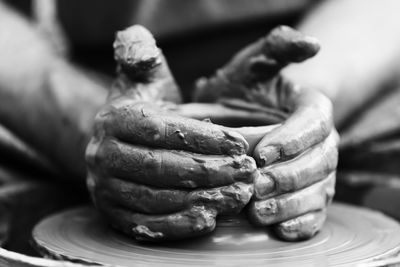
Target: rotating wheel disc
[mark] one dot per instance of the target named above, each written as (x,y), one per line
(351,235)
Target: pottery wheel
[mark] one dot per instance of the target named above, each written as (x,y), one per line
(351,235)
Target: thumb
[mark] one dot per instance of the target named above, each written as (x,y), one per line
(141,67)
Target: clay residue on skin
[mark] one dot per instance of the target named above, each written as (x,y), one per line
(203,219)
(267,208)
(291,205)
(269,154)
(141,232)
(232,139)
(229,199)
(181,136)
(136,51)
(301,228)
(198,160)
(289,45)
(264,185)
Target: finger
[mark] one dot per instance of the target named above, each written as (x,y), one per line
(228,116)
(143,72)
(308,168)
(265,58)
(253,135)
(288,206)
(302,227)
(141,198)
(189,223)
(260,61)
(140,123)
(225,200)
(288,45)
(229,199)
(172,169)
(310,123)
(136,51)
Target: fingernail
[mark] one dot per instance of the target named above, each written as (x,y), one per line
(268,155)
(263,186)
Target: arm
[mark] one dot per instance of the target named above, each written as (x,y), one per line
(360,53)
(45,100)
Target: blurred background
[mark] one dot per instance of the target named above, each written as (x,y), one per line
(197,37)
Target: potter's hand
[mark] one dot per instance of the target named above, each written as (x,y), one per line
(298,158)
(153,174)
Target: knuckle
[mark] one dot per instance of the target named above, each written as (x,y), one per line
(91,182)
(110,156)
(91,152)
(329,189)
(148,123)
(104,118)
(116,114)
(330,157)
(100,154)
(152,128)
(336,137)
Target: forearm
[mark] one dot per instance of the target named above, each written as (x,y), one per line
(43,99)
(360,52)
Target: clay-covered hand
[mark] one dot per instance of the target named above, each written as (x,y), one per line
(156,175)
(298,158)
